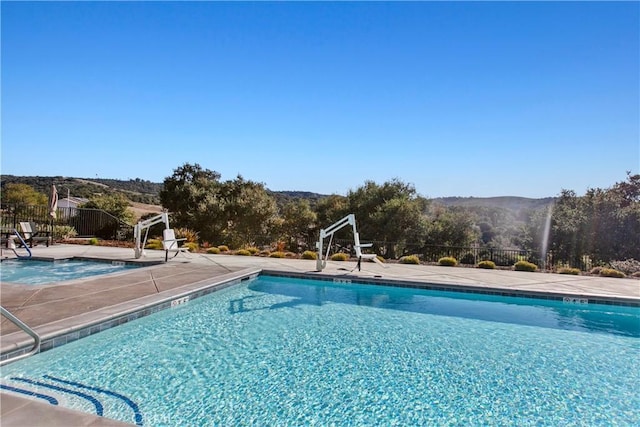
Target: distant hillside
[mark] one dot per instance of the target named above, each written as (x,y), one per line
(136,190)
(284,197)
(511,203)
(147,192)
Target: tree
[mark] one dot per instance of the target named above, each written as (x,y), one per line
(331,209)
(391,214)
(114,204)
(298,225)
(193,197)
(250,213)
(602,224)
(22,194)
(451,227)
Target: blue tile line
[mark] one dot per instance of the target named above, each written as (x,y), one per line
(96,402)
(49,399)
(133,405)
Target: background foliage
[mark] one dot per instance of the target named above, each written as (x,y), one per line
(602,226)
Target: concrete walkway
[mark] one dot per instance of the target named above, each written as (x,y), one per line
(51,309)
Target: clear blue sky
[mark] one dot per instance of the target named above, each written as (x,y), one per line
(460,99)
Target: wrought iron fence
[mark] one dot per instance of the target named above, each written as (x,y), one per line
(85,222)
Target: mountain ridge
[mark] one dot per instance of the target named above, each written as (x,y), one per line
(142,191)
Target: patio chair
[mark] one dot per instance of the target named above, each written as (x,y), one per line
(171,244)
(32,235)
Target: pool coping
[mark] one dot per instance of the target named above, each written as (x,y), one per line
(72,328)
(470,289)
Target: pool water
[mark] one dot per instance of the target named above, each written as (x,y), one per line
(289,352)
(33,272)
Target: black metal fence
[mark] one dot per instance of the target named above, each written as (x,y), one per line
(85,222)
(472,255)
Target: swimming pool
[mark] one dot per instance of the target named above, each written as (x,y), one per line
(33,272)
(282,351)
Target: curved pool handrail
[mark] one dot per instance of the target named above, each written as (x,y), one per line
(24,244)
(36,345)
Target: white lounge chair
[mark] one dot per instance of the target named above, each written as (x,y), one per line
(32,235)
(171,244)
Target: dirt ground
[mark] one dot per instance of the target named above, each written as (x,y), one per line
(140,209)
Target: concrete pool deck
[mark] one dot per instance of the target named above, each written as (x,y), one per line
(56,308)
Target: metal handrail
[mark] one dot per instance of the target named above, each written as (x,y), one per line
(36,346)
(24,245)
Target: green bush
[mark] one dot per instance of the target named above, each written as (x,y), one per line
(213,251)
(243,252)
(309,255)
(223,248)
(409,259)
(193,246)
(489,265)
(610,272)
(276,254)
(569,270)
(93,241)
(186,233)
(253,250)
(525,266)
(340,256)
(448,261)
(154,244)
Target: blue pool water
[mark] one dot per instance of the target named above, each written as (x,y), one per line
(32,272)
(288,352)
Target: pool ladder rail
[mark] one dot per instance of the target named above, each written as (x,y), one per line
(11,244)
(36,345)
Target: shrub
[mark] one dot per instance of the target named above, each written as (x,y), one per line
(253,250)
(340,256)
(636,274)
(64,231)
(276,254)
(569,270)
(595,271)
(154,244)
(309,255)
(186,233)
(213,251)
(265,252)
(525,266)
(243,252)
(628,266)
(93,241)
(193,246)
(409,259)
(610,272)
(223,248)
(380,258)
(448,261)
(489,265)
